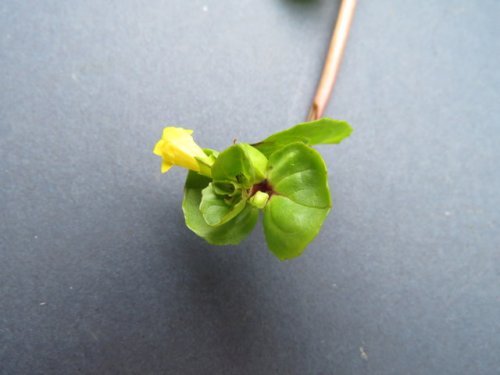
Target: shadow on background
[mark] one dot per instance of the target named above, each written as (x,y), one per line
(220,316)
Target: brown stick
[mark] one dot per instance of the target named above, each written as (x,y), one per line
(333,59)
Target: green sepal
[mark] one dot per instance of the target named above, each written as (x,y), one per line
(226,188)
(300,201)
(232,232)
(217,210)
(206,163)
(241,164)
(323,131)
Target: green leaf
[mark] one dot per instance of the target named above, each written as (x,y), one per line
(241,164)
(299,173)
(289,227)
(232,232)
(217,210)
(323,131)
(300,200)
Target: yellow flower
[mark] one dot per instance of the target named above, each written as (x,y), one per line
(177,147)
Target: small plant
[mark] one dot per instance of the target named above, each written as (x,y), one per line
(282,176)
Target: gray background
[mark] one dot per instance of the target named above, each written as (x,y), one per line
(98,274)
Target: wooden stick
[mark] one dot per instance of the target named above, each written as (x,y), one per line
(333,59)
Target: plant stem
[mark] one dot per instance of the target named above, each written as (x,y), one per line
(333,59)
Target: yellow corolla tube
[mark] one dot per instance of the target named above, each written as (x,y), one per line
(177,147)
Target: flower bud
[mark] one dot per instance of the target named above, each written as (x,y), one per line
(259,199)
